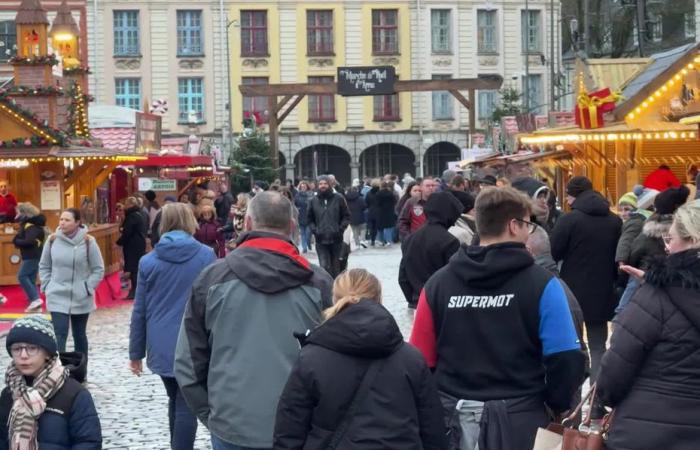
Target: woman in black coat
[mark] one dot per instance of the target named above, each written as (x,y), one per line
(372,211)
(651,373)
(400,410)
(385,214)
(133,241)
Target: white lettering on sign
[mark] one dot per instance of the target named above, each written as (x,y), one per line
(365,81)
(480,301)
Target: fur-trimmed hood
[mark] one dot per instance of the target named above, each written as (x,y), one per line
(657,225)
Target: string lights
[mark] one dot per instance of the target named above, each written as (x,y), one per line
(30,124)
(669,85)
(603,137)
(78,113)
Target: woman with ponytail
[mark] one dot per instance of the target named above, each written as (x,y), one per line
(357,384)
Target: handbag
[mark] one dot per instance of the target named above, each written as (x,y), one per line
(358,397)
(581,438)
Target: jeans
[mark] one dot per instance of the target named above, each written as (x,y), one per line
(26,277)
(329,256)
(305,233)
(632,286)
(597,335)
(357,232)
(78,324)
(183,423)
(387,235)
(218,444)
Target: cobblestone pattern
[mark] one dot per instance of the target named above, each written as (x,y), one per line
(133,410)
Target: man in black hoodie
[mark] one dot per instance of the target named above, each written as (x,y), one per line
(586,240)
(328,216)
(431,247)
(498,331)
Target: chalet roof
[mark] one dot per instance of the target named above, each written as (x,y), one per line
(613,73)
(64,20)
(31,13)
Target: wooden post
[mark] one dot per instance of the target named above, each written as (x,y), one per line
(274,136)
(472,117)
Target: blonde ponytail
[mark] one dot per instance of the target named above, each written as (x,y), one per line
(352,286)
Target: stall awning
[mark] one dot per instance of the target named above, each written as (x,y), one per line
(175,161)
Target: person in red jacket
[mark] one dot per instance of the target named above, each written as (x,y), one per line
(209,232)
(661,179)
(411,217)
(8,203)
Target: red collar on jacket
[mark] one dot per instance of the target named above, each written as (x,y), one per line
(277,246)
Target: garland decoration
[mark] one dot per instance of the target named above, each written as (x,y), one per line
(33,141)
(38,91)
(77,112)
(46,60)
(77,70)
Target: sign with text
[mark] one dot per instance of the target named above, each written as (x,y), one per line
(368,80)
(157,185)
(148,131)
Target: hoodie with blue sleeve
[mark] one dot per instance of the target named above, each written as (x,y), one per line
(165,279)
(496,326)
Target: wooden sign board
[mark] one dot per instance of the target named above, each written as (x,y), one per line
(148,132)
(367,80)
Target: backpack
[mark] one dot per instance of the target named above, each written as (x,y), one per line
(88,238)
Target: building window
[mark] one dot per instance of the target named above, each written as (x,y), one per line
(321,107)
(189,33)
(386,108)
(255,107)
(657,28)
(486,35)
(385,31)
(488,102)
(126,33)
(532,87)
(319,32)
(531,31)
(191,98)
(127,92)
(440,30)
(689,25)
(254,33)
(8,39)
(442,102)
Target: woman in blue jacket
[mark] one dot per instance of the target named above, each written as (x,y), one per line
(164,281)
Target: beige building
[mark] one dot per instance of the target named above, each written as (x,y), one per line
(161,50)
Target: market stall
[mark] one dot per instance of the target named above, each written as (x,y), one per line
(620,139)
(47,156)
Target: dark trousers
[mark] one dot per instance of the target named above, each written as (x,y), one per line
(77,324)
(597,335)
(26,276)
(329,256)
(133,276)
(372,230)
(183,423)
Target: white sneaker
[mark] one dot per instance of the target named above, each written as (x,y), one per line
(34,306)
(3,299)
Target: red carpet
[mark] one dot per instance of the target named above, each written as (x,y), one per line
(108,295)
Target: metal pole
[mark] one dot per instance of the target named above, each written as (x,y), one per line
(586,27)
(526,84)
(641,25)
(223,30)
(551,55)
(228,73)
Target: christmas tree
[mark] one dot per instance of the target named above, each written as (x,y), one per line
(251,158)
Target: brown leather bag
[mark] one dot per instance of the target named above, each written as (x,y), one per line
(582,438)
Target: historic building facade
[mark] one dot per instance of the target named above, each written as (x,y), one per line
(418,133)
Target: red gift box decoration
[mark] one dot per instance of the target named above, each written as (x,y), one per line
(590,107)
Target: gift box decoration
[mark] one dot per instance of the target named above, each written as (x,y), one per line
(590,107)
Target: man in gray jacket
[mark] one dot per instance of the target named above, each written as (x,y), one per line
(236,345)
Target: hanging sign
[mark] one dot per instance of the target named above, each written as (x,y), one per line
(148,132)
(157,185)
(368,80)
(50,195)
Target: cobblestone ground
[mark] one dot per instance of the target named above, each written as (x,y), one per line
(133,411)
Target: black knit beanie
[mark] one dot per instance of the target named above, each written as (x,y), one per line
(668,201)
(35,330)
(578,185)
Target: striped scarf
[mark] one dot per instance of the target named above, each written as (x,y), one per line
(29,402)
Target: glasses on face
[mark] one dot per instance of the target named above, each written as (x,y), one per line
(17,349)
(667,238)
(531,226)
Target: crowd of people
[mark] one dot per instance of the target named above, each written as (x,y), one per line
(512,299)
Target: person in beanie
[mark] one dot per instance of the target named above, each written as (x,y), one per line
(585,240)
(632,224)
(42,407)
(328,216)
(539,193)
(649,244)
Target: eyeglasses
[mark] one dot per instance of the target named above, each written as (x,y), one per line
(31,350)
(531,226)
(666,238)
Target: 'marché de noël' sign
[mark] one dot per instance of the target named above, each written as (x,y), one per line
(368,80)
